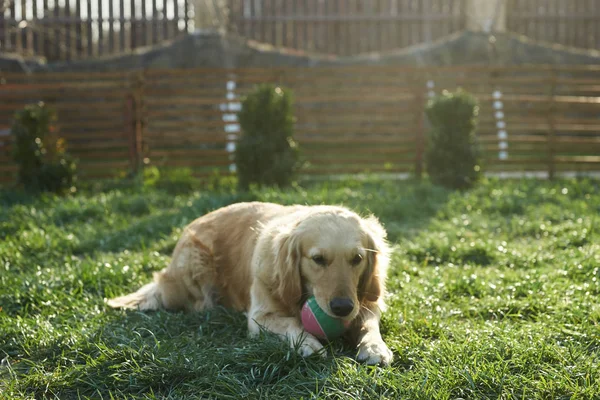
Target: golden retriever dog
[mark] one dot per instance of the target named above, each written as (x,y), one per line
(267,259)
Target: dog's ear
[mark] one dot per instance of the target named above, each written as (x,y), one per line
(371,286)
(288,255)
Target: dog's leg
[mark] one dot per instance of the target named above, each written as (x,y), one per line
(265,313)
(365,333)
(187,284)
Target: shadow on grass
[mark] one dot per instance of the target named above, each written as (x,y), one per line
(147,230)
(184,355)
(403,207)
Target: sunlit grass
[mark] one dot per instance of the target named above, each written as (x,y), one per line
(493,294)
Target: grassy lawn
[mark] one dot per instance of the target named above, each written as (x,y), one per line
(494,293)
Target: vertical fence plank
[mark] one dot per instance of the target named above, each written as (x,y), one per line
(165,22)
(56,37)
(595,24)
(275,38)
(111,27)
(556,12)
(327,27)
(19,33)
(130,128)
(35,26)
(305,25)
(78,30)
(186,16)
(394,4)
(285,27)
(294,25)
(67,32)
(89,30)
(588,9)
(176,16)
(262,12)
(134,28)
(139,117)
(335,48)
(574,29)
(589,6)
(581,27)
(551,124)
(323,31)
(122,25)
(12,25)
(100,28)
(420,135)
(28,30)
(347,29)
(3,30)
(44,30)
(154,23)
(562,22)
(414,27)
(251,23)
(144,25)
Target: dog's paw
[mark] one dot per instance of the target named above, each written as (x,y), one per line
(374,352)
(310,345)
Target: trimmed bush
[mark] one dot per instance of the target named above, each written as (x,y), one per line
(177,180)
(171,180)
(42,158)
(451,157)
(150,176)
(266,154)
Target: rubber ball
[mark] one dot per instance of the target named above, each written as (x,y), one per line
(320,324)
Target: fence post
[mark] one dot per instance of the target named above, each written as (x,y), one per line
(551,126)
(135,116)
(130,130)
(140,117)
(420,104)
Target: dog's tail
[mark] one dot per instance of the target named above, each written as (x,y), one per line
(147,298)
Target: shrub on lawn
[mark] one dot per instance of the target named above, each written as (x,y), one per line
(451,156)
(42,158)
(266,154)
(174,180)
(150,176)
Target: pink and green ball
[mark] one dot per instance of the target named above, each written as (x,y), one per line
(320,324)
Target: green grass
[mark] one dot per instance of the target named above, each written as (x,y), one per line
(494,293)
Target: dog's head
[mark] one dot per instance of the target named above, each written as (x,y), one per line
(335,255)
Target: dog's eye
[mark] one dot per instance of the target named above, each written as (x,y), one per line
(356,260)
(319,260)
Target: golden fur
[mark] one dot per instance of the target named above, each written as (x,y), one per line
(267,259)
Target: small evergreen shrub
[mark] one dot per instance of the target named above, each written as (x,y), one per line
(177,180)
(173,180)
(223,184)
(43,162)
(451,156)
(150,176)
(266,153)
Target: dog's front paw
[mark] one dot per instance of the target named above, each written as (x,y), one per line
(374,352)
(309,345)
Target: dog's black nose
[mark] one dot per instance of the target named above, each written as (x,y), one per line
(341,306)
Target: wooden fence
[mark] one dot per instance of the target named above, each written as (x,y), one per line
(95,116)
(349,120)
(346,27)
(75,29)
(569,22)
